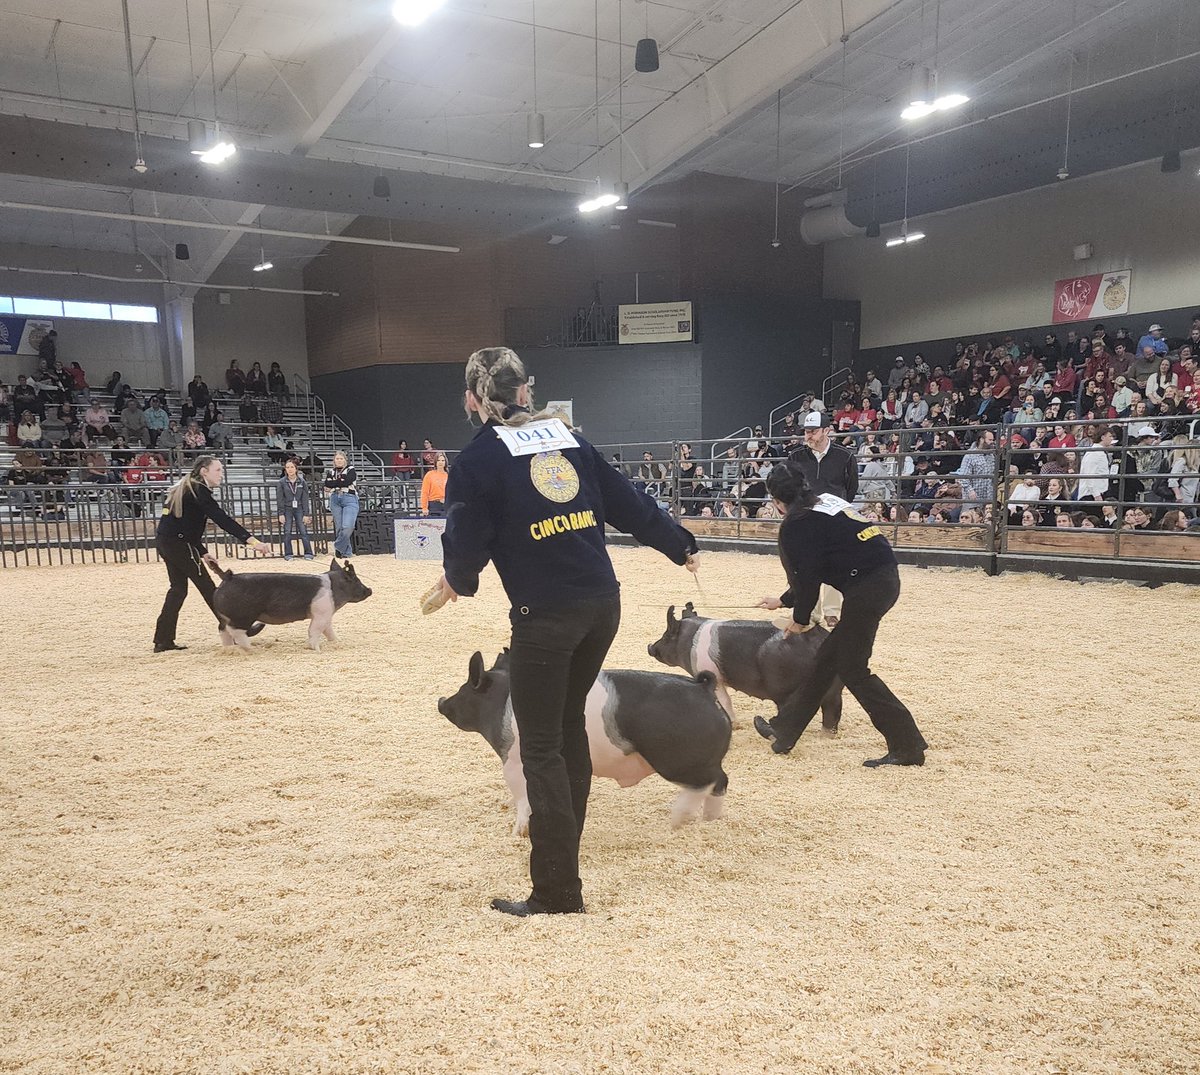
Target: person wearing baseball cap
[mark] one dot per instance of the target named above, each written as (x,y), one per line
(1154,338)
(828,468)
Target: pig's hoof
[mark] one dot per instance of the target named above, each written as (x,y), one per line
(829,729)
(255,629)
(763,727)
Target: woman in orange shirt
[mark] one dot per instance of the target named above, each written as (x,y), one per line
(433,488)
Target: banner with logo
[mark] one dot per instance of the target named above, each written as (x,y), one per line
(21,335)
(655,322)
(1083,298)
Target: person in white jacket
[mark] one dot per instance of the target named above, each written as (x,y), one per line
(1096,469)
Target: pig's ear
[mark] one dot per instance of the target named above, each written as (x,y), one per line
(476,676)
(334,565)
(689,610)
(670,617)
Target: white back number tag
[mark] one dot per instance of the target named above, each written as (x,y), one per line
(533,438)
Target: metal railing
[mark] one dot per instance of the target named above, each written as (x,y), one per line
(831,383)
(553,326)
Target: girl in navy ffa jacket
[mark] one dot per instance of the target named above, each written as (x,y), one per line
(823,540)
(534,497)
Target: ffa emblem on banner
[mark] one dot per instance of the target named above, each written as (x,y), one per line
(554,477)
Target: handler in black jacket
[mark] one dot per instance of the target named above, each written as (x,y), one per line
(534,497)
(179,541)
(829,468)
(823,540)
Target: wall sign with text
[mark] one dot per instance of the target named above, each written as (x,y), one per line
(1083,298)
(655,322)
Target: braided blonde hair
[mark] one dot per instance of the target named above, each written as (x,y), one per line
(494,377)
(187,484)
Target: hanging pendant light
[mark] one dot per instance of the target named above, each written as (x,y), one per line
(182,253)
(645,59)
(535,129)
(381,187)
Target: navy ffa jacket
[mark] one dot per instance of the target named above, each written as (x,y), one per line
(829,543)
(198,508)
(541,519)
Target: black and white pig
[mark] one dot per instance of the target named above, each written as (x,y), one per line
(638,723)
(244,604)
(751,656)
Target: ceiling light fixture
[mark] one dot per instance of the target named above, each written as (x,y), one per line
(600,201)
(535,122)
(214,150)
(924,99)
(414,12)
(263,266)
(622,195)
(1064,171)
(139,164)
(905,235)
(645,59)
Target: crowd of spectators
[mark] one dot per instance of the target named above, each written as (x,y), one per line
(66,433)
(1098,430)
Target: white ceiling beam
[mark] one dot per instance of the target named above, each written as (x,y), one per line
(328,81)
(743,80)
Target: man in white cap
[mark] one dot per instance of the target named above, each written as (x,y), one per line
(829,468)
(1155,339)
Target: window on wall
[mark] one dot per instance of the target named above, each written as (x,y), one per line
(88,311)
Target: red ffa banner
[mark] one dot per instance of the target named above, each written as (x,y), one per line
(1083,298)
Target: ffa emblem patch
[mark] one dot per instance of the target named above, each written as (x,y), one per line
(554,477)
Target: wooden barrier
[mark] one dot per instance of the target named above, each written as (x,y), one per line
(1072,542)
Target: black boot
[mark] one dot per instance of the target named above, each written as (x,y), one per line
(525,908)
(163,647)
(897,757)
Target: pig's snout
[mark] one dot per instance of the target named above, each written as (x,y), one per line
(442,707)
(652,650)
(366,592)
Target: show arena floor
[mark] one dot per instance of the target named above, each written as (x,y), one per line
(281,861)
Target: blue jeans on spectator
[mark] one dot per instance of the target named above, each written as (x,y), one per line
(344,507)
(293,520)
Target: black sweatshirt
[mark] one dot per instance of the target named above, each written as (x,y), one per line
(835,472)
(198,508)
(829,543)
(541,519)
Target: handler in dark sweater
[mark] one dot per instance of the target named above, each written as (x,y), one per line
(823,540)
(533,497)
(180,542)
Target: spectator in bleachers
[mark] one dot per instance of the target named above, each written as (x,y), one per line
(428,455)
(122,457)
(1185,465)
(47,350)
(194,440)
(916,410)
(698,491)
(978,468)
(157,420)
(1143,366)
(1159,381)
(277,384)
(171,442)
(209,415)
(235,379)
(25,479)
(899,373)
(198,394)
(95,468)
(97,422)
(29,431)
(133,421)
(404,466)
(79,382)
(220,436)
(295,508)
(25,398)
(1155,340)
(248,415)
(275,444)
(270,412)
(891,413)
(57,425)
(1174,521)
(256,380)
(651,476)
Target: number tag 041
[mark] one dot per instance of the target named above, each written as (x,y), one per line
(533,438)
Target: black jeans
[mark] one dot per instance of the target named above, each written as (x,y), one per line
(846,653)
(183,565)
(556,655)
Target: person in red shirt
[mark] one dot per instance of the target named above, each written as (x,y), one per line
(868,417)
(1062,438)
(1001,385)
(1098,360)
(1118,363)
(403,464)
(1064,380)
(846,418)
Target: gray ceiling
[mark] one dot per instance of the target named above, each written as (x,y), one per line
(321,97)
